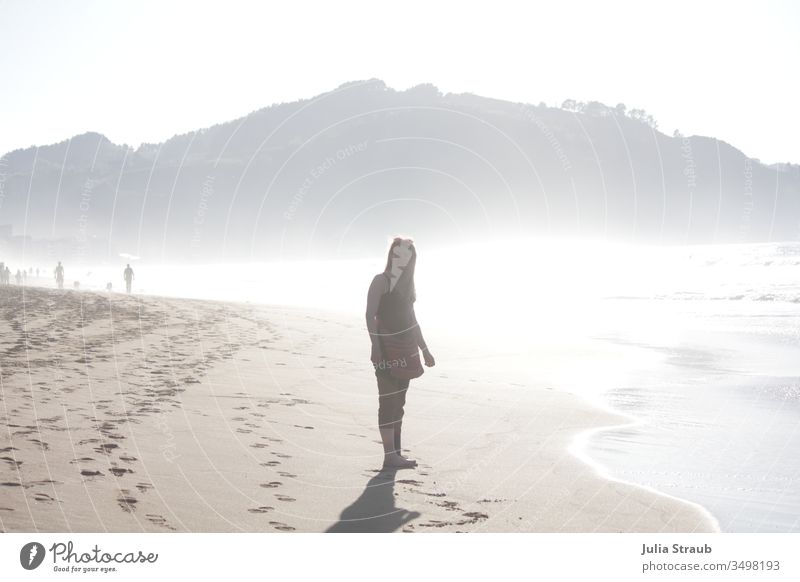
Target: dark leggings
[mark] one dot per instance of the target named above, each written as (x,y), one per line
(391,398)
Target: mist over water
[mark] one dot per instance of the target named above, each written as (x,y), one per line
(501,291)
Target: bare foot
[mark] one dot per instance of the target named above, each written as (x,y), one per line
(396,461)
(402,456)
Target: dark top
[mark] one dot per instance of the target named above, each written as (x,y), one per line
(395,312)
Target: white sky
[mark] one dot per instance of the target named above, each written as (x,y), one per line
(142,71)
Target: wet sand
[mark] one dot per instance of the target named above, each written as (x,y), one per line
(126,414)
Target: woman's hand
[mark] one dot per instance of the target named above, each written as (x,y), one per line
(428,357)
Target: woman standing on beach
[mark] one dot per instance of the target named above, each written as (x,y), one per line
(396,340)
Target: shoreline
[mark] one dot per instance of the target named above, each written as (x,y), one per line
(712,418)
(203,415)
(582,441)
(579,449)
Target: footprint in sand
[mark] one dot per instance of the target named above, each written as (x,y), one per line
(144,487)
(159,520)
(449,505)
(12,462)
(128,459)
(285,474)
(119,471)
(88,473)
(270,464)
(281,526)
(429,494)
(259,446)
(126,502)
(42,444)
(43,497)
(262,509)
(472,517)
(272,484)
(285,498)
(282,455)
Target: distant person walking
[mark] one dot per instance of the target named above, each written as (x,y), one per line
(128,274)
(2,273)
(396,341)
(60,275)
(8,276)
(18,277)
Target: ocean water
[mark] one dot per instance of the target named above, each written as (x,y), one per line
(697,345)
(715,418)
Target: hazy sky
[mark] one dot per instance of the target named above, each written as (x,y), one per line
(142,71)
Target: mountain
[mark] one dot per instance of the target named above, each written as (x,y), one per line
(336,174)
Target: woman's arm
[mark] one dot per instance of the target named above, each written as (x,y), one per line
(426,354)
(376,290)
(420,340)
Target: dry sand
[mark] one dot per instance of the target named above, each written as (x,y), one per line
(126,414)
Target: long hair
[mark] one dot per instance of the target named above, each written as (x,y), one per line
(405,284)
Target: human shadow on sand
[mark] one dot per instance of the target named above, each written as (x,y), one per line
(374,511)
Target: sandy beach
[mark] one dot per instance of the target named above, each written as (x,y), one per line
(127,414)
